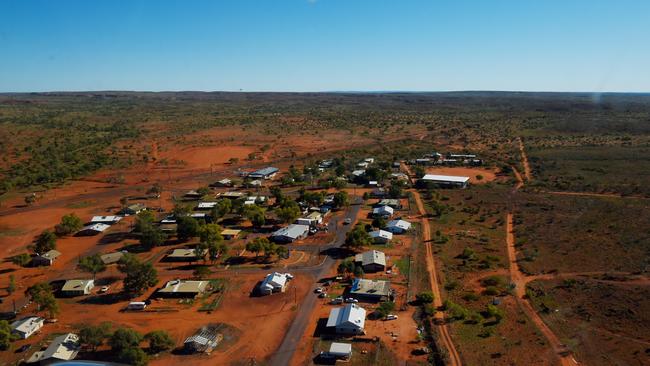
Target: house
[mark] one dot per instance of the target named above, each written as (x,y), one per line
(363,164)
(193,194)
(203,341)
(206,205)
(231,195)
(46,259)
(371,261)
(290,233)
(265,173)
(169,228)
(399,176)
(358,173)
(230,233)
(111,258)
(379,192)
(393,203)
(383,212)
(381,236)
(446,181)
(372,183)
(423,161)
(254,183)
(169,220)
(324,164)
(183,288)
(182,255)
(369,160)
(370,290)
(274,282)
(93,229)
(134,209)
(253,200)
(223,183)
(77,287)
(339,351)
(314,218)
(109,220)
(199,215)
(63,348)
(461,156)
(347,320)
(398,226)
(25,327)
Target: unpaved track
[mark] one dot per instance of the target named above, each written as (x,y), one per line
(454,357)
(524,160)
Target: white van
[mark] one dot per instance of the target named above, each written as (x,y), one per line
(136,305)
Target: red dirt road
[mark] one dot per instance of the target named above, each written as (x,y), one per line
(454,357)
(524,160)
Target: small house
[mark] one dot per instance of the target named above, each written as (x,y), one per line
(231,195)
(398,226)
(383,212)
(93,229)
(290,233)
(339,350)
(183,288)
(204,340)
(381,236)
(193,194)
(223,183)
(63,348)
(229,234)
(46,259)
(393,203)
(182,255)
(370,290)
(206,205)
(24,328)
(371,261)
(134,209)
(347,320)
(108,220)
(445,181)
(274,282)
(265,173)
(77,287)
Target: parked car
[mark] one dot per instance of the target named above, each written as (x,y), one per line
(318,290)
(391,317)
(337,301)
(104,289)
(351,300)
(289,276)
(347,221)
(322,295)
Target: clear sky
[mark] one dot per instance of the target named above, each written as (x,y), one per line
(325,45)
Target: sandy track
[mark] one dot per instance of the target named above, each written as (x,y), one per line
(454,357)
(524,160)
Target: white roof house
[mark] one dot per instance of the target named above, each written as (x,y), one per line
(105,219)
(77,287)
(350,319)
(358,172)
(64,348)
(206,205)
(290,233)
(447,180)
(275,282)
(383,211)
(340,350)
(94,229)
(381,236)
(398,226)
(27,326)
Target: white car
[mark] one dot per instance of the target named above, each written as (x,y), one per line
(391,317)
(104,289)
(347,221)
(318,290)
(351,300)
(289,276)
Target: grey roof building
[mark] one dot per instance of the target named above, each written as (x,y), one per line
(290,233)
(371,261)
(350,319)
(370,290)
(63,348)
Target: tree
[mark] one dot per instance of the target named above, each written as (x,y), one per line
(496,312)
(159,341)
(124,201)
(269,249)
(211,234)
(203,190)
(216,249)
(281,251)
(93,336)
(124,338)
(139,276)
(200,250)
(346,267)
(21,260)
(156,189)
(357,237)
(289,213)
(43,296)
(379,222)
(425,297)
(5,335)
(69,224)
(11,287)
(257,245)
(152,237)
(276,192)
(45,242)
(256,214)
(395,190)
(92,264)
(133,356)
(186,227)
(181,210)
(201,271)
(341,199)
(30,199)
(222,208)
(385,308)
(144,220)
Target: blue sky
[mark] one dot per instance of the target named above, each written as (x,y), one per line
(325,45)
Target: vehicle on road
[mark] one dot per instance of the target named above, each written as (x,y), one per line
(337,301)
(351,300)
(347,221)
(318,290)
(391,317)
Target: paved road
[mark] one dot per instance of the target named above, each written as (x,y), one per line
(293,337)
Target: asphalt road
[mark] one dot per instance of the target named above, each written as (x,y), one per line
(293,337)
